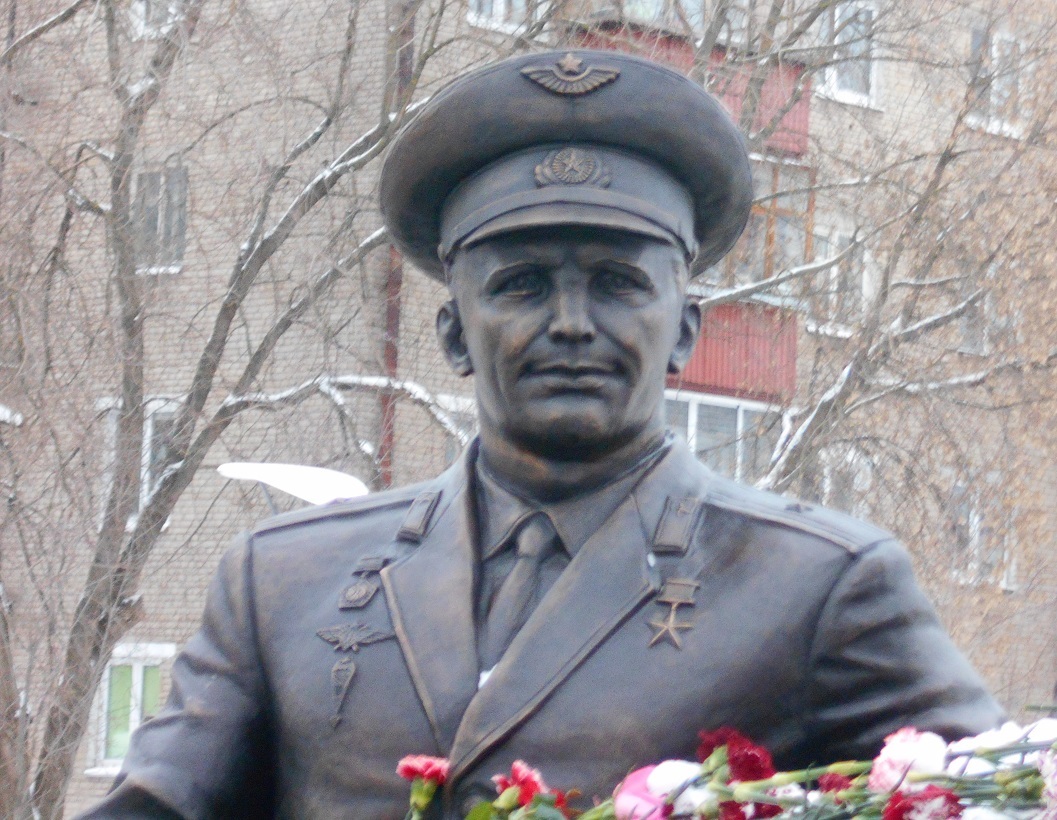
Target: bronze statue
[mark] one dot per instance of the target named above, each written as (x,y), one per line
(577,590)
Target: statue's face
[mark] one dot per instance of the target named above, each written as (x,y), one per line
(570,333)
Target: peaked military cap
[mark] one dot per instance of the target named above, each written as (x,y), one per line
(567,138)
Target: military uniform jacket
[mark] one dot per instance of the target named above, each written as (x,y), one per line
(339,639)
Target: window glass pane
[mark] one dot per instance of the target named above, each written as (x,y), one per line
(677,414)
(750,254)
(854,31)
(796,184)
(515,11)
(760,432)
(790,243)
(717,433)
(151,692)
(174,227)
(148,193)
(119,711)
(1004,86)
(161,427)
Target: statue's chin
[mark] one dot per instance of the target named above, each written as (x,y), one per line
(572,443)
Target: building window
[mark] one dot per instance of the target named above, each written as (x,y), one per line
(130,694)
(160,219)
(158,423)
(849,32)
(153,18)
(995,63)
(847,473)
(984,327)
(157,444)
(778,236)
(505,15)
(839,293)
(980,530)
(732,436)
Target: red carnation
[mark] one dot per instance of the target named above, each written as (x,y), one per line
(729,810)
(931,803)
(747,760)
(710,741)
(433,769)
(833,782)
(529,782)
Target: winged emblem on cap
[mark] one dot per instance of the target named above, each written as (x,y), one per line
(569,76)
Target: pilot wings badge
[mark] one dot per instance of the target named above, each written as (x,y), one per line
(570,77)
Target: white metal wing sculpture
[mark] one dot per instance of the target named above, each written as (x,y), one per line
(316,485)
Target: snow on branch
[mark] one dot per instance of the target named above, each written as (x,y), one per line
(745,291)
(798,439)
(912,332)
(40,30)
(9,416)
(329,385)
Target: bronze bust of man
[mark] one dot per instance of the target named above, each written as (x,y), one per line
(577,590)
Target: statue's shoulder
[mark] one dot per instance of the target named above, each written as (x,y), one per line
(365,511)
(851,534)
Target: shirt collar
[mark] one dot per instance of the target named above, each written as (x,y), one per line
(501,511)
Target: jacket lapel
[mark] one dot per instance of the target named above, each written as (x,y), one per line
(607,581)
(430,598)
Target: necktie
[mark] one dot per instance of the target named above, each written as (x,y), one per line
(520,592)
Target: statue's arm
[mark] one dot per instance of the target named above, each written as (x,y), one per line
(881,660)
(207,753)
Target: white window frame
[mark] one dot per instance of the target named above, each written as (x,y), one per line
(757,255)
(850,460)
(169,176)
(987,555)
(500,17)
(695,399)
(153,407)
(138,656)
(143,28)
(828,308)
(837,21)
(989,120)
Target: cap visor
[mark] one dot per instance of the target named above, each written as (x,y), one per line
(545,215)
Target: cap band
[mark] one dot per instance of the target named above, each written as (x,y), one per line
(580,184)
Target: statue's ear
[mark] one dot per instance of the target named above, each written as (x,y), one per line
(452,341)
(689,329)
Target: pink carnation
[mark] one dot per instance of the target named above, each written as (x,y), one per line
(433,769)
(633,799)
(905,751)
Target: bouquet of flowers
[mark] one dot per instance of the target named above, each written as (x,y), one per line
(1009,772)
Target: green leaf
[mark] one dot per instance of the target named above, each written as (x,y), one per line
(546,811)
(508,800)
(482,811)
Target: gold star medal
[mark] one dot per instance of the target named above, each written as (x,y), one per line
(675,593)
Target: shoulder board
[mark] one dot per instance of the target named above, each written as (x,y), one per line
(401,497)
(843,530)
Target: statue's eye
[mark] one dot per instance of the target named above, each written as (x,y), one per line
(522,283)
(617,282)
